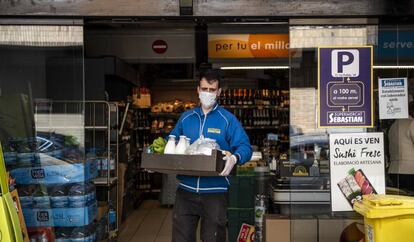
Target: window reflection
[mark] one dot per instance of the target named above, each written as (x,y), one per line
(44,144)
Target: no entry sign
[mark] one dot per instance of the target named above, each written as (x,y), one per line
(159,46)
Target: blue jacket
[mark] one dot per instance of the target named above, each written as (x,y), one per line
(218,124)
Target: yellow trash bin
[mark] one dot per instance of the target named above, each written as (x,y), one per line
(387,218)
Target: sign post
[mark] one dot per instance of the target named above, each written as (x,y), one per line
(345,87)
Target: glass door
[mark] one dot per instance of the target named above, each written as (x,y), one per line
(315,213)
(42,128)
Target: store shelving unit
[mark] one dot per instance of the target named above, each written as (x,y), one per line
(101,133)
(96,123)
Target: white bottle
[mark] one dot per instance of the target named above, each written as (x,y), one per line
(187,143)
(181,146)
(170,147)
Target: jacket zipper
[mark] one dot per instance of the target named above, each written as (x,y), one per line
(198,184)
(201,135)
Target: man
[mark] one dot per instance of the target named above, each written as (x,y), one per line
(401,144)
(205,198)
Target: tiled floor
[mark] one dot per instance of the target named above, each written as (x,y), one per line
(150,223)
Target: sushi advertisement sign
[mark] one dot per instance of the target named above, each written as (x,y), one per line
(357,167)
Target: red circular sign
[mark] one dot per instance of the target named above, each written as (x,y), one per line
(159,46)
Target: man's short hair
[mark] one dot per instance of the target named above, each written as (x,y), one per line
(211,75)
(411,109)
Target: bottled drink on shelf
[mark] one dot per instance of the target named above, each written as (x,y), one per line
(250,98)
(239,97)
(266,99)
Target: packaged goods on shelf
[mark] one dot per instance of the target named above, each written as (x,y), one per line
(60,217)
(54,171)
(141,97)
(57,195)
(78,234)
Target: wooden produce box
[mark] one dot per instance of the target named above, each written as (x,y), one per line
(283,229)
(191,165)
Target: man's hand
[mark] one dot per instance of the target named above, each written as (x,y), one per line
(231,160)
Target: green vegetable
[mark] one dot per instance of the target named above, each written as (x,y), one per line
(158,145)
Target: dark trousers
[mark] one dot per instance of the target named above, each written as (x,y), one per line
(403,181)
(190,207)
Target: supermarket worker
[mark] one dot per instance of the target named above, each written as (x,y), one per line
(205,198)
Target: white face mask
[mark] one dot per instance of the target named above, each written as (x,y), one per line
(207,99)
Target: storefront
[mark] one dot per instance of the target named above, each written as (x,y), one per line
(82,99)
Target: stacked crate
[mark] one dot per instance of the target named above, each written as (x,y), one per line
(241,204)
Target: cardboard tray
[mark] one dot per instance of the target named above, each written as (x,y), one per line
(191,165)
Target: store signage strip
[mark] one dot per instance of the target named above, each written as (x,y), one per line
(234,46)
(345,87)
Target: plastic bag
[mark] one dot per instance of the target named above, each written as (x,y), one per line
(202,146)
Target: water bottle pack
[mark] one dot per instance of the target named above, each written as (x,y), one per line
(57,196)
(76,234)
(60,217)
(55,171)
(24,152)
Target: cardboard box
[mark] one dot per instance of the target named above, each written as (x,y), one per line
(122,167)
(142,101)
(337,229)
(282,229)
(322,229)
(192,165)
(103,209)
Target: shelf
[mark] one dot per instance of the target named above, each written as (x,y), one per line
(256,106)
(103,181)
(165,115)
(96,127)
(139,108)
(142,128)
(260,127)
(160,131)
(119,143)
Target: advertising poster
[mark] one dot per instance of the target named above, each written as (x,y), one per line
(393,98)
(345,87)
(357,168)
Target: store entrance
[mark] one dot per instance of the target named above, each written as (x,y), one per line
(151,72)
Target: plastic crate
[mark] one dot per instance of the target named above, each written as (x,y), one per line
(236,217)
(242,191)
